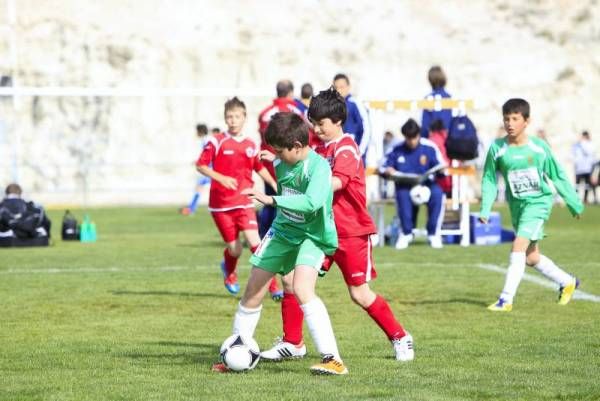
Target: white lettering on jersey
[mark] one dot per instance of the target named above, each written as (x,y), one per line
(293,216)
(228,152)
(524,182)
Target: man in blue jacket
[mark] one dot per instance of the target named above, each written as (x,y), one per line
(415,162)
(357,123)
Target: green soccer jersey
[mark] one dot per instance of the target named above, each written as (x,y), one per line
(304,202)
(526,169)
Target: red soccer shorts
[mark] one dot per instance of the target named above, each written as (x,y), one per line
(231,222)
(354,257)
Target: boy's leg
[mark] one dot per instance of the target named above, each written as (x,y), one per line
(291,345)
(551,271)
(253,240)
(514,275)
(225,222)
(435,216)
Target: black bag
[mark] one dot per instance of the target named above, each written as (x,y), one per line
(25,219)
(70,227)
(462,142)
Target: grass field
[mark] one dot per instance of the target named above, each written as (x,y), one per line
(140,315)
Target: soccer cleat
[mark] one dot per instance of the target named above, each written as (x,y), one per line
(566,292)
(219,367)
(284,350)
(329,366)
(500,306)
(276,293)
(403,241)
(435,241)
(230,281)
(403,347)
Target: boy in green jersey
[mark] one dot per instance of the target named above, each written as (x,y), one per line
(302,233)
(526,163)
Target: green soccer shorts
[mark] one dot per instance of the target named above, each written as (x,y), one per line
(529,223)
(280,256)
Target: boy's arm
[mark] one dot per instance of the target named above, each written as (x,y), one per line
(489,189)
(562,184)
(314,198)
(345,166)
(202,165)
(268,178)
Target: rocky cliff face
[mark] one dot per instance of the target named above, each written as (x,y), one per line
(140,148)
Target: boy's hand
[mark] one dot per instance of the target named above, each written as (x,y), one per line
(229,182)
(483,220)
(259,196)
(266,155)
(389,171)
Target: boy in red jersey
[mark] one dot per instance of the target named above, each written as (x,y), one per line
(354,256)
(233,159)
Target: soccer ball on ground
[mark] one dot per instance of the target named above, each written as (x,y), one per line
(239,353)
(420,194)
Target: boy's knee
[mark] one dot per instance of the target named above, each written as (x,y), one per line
(235,249)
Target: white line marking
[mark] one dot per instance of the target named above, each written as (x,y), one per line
(542,282)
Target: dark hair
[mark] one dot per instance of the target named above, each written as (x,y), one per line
(201,129)
(341,76)
(285,129)
(215,130)
(328,104)
(284,88)
(585,134)
(14,189)
(306,91)
(437,77)
(410,129)
(234,103)
(516,105)
(436,125)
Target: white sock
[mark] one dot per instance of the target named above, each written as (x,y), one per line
(515,272)
(553,272)
(245,320)
(319,325)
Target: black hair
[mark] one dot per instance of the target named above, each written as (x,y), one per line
(436,77)
(585,134)
(436,125)
(341,76)
(234,103)
(201,129)
(215,130)
(284,88)
(328,104)
(516,105)
(285,129)
(306,91)
(410,129)
(13,189)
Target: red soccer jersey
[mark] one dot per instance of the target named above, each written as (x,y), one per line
(350,202)
(280,105)
(234,157)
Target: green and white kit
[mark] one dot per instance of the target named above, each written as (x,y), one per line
(527,170)
(303,231)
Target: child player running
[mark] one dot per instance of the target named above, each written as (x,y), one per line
(302,233)
(327,112)
(526,163)
(233,158)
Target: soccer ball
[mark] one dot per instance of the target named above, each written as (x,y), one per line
(240,353)
(420,194)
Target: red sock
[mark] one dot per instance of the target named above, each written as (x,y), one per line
(230,262)
(253,248)
(380,311)
(292,317)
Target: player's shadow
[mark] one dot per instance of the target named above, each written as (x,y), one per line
(444,301)
(172,293)
(203,245)
(185,354)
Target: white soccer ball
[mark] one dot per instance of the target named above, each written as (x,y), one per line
(420,194)
(239,353)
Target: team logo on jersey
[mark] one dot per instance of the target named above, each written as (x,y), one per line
(529,160)
(401,159)
(249,151)
(423,160)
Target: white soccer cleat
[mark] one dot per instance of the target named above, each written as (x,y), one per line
(284,350)
(403,347)
(403,241)
(436,241)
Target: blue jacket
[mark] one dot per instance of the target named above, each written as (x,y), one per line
(414,161)
(430,115)
(357,123)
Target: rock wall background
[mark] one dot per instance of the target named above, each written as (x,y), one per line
(98,150)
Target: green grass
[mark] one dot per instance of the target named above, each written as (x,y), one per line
(140,315)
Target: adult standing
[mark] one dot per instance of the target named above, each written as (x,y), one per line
(437,80)
(584,159)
